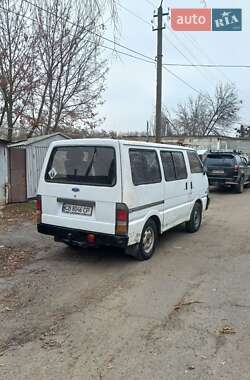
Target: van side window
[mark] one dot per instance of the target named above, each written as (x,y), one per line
(195,163)
(168,165)
(144,166)
(179,164)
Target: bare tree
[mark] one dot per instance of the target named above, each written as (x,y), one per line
(16,63)
(51,70)
(208,115)
(167,126)
(70,64)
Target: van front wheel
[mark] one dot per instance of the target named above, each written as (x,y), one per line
(193,225)
(145,249)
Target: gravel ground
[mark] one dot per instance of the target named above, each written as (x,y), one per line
(97,314)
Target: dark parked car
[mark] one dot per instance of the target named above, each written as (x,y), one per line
(228,169)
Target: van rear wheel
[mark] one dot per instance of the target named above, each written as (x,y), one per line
(145,249)
(193,225)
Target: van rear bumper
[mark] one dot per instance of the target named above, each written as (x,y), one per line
(69,235)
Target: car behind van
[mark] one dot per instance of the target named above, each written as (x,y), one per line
(95,192)
(226,169)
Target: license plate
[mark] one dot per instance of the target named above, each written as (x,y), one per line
(218,171)
(76,209)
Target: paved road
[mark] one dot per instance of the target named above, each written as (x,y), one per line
(100,315)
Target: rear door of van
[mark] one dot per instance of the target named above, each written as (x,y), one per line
(198,186)
(80,185)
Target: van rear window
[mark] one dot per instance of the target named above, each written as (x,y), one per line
(84,165)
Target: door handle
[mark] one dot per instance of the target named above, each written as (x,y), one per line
(186,185)
(191,184)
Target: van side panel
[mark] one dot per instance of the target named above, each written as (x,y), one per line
(143,201)
(169,201)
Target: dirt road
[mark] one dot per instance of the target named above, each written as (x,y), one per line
(185,314)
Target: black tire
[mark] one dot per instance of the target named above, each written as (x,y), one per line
(240,186)
(193,225)
(145,249)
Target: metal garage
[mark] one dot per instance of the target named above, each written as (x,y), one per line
(26,160)
(3,170)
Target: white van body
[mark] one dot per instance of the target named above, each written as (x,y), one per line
(149,179)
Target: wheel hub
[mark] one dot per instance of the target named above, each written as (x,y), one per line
(148,240)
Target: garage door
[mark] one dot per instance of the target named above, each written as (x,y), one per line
(18,191)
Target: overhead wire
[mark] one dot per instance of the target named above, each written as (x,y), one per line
(90,31)
(208,65)
(109,40)
(148,23)
(146,60)
(201,50)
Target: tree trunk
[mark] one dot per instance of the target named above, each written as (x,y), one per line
(9,123)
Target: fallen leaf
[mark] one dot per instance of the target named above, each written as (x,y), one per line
(8,309)
(227,330)
(181,304)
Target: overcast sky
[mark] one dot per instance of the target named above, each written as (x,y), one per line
(130,94)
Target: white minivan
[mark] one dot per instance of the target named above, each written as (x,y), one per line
(120,193)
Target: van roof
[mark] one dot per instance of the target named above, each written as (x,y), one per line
(113,142)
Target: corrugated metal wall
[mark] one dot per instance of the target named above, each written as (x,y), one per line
(35,155)
(3,171)
(34,161)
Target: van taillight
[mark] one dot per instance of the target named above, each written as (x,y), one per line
(121,227)
(39,209)
(236,168)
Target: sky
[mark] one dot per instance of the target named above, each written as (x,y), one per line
(130,93)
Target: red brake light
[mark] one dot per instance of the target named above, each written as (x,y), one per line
(39,209)
(91,238)
(38,203)
(122,213)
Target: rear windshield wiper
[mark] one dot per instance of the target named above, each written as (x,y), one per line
(91,163)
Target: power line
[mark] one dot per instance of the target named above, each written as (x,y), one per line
(200,49)
(113,42)
(193,41)
(170,42)
(182,53)
(183,81)
(208,65)
(127,54)
(133,14)
(151,3)
(187,59)
(148,60)
(220,72)
(90,31)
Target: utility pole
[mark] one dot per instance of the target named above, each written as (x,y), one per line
(147,130)
(158,113)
